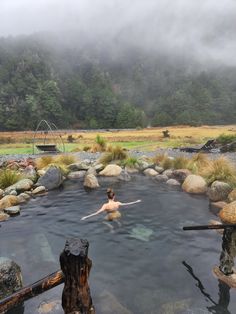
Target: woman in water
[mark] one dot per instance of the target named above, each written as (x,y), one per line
(111,207)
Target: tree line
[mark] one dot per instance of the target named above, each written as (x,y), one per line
(87,87)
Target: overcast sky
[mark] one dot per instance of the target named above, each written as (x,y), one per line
(206,28)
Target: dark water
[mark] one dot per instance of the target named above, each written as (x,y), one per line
(169,273)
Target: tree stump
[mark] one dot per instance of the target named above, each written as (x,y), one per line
(76,266)
(166,133)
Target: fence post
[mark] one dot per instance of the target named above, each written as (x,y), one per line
(76,266)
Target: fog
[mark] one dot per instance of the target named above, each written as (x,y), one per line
(204,29)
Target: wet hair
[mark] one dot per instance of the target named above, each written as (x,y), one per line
(110,194)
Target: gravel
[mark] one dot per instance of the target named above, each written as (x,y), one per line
(93,156)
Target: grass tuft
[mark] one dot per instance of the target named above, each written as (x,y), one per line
(220,169)
(180,162)
(113,153)
(43,161)
(65,159)
(8,177)
(130,162)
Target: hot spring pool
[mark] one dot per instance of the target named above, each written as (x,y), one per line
(146,265)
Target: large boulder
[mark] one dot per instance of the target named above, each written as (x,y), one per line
(161,178)
(8,201)
(52,179)
(195,184)
(228,213)
(10,278)
(20,186)
(168,173)
(232,196)
(91,181)
(30,173)
(219,191)
(83,165)
(180,174)
(111,171)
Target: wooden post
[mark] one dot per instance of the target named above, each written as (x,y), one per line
(30,291)
(76,266)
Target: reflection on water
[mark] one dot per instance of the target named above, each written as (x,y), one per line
(137,265)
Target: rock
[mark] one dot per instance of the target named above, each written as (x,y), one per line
(232,196)
(13,192)
(76,174)
(3,216)
(91,170)
(8,201)
(150,172)
(1,193)
(14,210)
(10,279)
(26,196)
(219,205)
(111,171)
(219,191)
(161,178)
(49,307)
(159,169)
(52,179)
(30,173)
(41,172)
(194,184)
(142,165)
(91,181)
(131,170)
(84,165)
(181,174)
(39,189)
(228,213)
(124,176)
(20,186)
(168,173)
(172,182)
(109,304)
(99,167)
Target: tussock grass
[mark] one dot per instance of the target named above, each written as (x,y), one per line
(100,145)
(43,162)
(180,162)
(163,160)
(9,177)
(65,159)
(113,153)
(220,169)
(130,162)
(198,162)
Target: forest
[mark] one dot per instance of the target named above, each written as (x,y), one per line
(90,84)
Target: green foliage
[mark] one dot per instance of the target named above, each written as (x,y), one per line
(100,141)
(226,138)
(8,177)
(130,162)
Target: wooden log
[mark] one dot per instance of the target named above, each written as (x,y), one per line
(76,266)
(30,291)
(210,227)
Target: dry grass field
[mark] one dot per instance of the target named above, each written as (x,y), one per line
(144,139)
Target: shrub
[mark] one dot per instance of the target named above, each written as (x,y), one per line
(86,148)
(8,177)
(159,158)
(220,169)
(43,162)
(226,138)
(163,160)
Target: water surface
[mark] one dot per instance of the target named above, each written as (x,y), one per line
(169,273)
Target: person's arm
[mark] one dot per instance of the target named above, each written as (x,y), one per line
(130,203)
(94,214)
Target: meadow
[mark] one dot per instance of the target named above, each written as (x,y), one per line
(144,139)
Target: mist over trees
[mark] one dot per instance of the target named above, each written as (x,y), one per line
(94,84)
